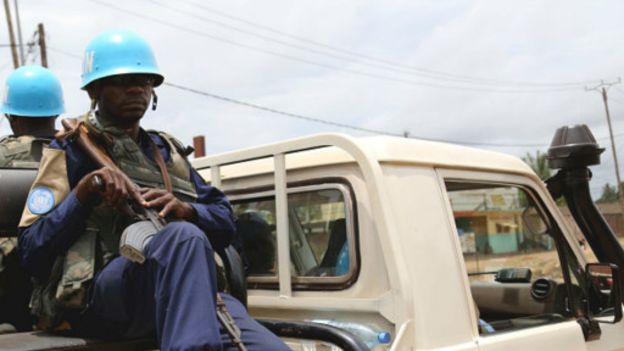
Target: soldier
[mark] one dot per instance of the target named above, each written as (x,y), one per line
(71,227)
(33,98)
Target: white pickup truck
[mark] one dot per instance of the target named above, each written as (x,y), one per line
(415,245)
(411,245)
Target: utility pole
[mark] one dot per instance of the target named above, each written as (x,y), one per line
(42,45)
(7,10)
(602,89)
(19,33)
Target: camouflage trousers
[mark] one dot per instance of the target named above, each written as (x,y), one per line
(7,246)
(15,288)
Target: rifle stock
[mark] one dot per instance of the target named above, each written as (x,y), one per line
(78,132)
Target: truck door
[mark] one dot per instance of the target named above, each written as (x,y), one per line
(523,274)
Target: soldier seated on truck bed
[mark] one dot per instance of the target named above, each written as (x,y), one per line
(72,224)
(33,99)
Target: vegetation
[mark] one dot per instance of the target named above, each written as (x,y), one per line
(609,194)
(539,164)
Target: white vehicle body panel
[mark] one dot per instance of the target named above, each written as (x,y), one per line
(412,278)
(560,336)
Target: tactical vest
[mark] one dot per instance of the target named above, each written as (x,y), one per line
(21,152)
(67,286)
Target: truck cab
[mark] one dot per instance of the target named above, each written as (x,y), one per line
(411,245)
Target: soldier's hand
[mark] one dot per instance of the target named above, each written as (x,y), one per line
(111,185)
(166,203)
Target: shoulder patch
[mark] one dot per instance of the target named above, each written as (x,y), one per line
(50,187)
(40,200)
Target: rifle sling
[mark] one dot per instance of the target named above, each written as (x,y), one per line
(224,316)
(163,167)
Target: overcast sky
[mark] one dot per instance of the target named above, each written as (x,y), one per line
(489,72)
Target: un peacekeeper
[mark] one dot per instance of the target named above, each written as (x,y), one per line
(33,98)
(70,228)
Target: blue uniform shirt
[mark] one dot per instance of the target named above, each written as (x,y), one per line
(53,234)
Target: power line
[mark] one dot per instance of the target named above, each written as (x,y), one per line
(326,122)
(342,125)
(272,110)
(336,124)
(350,56)
(349,126)
(66,53)
(424,71)
(332,67)
(295,46)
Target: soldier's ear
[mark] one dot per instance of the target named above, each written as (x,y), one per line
(93,90)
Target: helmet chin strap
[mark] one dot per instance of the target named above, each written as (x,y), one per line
(154,100)
(91,113)
(93,105)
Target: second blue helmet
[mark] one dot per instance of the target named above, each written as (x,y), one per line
(32,91)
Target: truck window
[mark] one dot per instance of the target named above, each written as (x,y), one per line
(516,258)
(499,227)
(321,235)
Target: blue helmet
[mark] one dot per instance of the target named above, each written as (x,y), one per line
(118,52)
(32,91)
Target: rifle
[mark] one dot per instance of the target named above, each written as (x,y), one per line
(135,237)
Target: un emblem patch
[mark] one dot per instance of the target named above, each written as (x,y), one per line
(40,200)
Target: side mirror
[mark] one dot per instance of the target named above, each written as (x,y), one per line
(605,301)
(533,221)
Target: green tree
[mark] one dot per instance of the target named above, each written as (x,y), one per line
(538,163)
(609,194)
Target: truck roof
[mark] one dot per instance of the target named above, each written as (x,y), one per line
(383,149)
